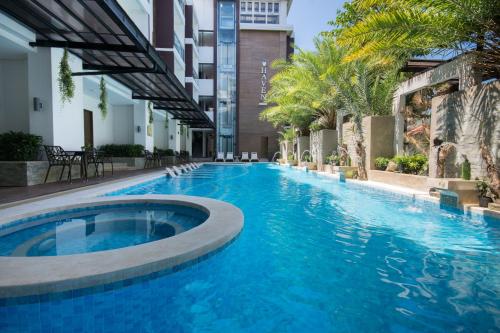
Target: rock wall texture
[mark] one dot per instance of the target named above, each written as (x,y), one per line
(323,143)
(465,118)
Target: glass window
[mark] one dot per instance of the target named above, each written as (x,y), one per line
(206,38)
(206,71)
(249,6)
(273,19)
(243,6)
(246,18)
(206,103)
(276,7)
(262,7)
(259,19)
(269,7)
(255,6)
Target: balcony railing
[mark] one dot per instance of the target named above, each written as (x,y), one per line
(179,46)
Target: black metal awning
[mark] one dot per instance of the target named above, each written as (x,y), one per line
(109,43)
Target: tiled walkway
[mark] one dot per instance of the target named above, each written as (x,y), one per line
(11,194)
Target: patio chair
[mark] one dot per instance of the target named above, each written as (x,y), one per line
(244,157)
(93,156)
(149,159)
(58,157)
(229,157)
(254,157)
(220,157)
(157,157)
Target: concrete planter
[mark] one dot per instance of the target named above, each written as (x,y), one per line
(322,144)
(399,179)
(328,168)
(466,189)
(133,162)
(27,173)
(347,170)
(302,146)
(168,160)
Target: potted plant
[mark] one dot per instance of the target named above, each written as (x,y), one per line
(485,194)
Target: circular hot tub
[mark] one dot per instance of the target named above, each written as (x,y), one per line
(99,228)
(109,239)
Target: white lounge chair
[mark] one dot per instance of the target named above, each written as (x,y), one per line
(244,157)
(254,157)
(177,170)
(229,157)
(220,157)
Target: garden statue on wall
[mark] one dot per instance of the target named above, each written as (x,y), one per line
(491,170)
(444,150)
(344,156)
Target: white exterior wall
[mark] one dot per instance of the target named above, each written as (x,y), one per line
(140,11)
(14,106)
(68,117)
(141,119)
(206,14)
(123,124)
(160,132)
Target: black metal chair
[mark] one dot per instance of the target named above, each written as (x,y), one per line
(157,157)
(96,157)
(149,159)
(58,157)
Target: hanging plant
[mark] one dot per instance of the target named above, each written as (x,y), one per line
(103,98)
(65,80)
(150,109)
(187,131)
(182,130)
(166,120)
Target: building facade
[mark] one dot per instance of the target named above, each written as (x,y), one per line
(112,40)
(204,78)
(238,41)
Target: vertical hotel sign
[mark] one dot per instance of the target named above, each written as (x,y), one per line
(263,83)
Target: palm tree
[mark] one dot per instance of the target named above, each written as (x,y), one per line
(299,94)
(361,90)
(391,31)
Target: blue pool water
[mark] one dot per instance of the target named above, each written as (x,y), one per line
(314,256)
(97,229)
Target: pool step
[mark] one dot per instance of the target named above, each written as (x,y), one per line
(494,206)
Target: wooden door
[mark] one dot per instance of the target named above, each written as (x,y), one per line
(88,125)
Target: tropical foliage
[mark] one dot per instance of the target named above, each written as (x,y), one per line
(65,80)
(390,31)
(103,98)
(309,91)
(354,68)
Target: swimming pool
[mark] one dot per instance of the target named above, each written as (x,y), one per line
(314,256)
(97,229)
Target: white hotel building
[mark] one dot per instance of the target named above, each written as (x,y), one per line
(112,39)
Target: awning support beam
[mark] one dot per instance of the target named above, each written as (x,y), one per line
(85,46)
(156,98)
(116,71)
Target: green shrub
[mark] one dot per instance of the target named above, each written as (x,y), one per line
(381,163)
(19,146)
(414,164)
(333,160)
(466,170)
(125,150)
(165,152)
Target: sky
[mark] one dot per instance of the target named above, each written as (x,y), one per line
(310,17)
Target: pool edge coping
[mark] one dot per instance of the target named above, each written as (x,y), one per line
(31,276)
